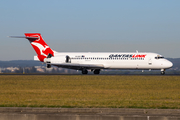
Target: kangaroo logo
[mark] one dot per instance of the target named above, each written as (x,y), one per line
(42,49)
(42,46)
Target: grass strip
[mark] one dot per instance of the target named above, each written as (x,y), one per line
(76,91)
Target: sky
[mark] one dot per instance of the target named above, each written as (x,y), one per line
(91,26)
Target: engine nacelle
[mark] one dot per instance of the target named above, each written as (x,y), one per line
(58,59)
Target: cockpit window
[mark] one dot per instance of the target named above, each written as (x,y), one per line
(159,57)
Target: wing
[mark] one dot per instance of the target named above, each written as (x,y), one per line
(77,66)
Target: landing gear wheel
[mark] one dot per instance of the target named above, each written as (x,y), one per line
(84,71)
(96,71)
(162,73)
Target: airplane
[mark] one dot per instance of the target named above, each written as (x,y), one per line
(95,61)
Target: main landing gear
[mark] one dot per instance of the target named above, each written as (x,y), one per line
(96,71)
(84,71)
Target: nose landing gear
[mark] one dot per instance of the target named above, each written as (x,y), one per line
(162,71)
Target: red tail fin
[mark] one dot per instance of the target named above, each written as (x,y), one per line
(41,48)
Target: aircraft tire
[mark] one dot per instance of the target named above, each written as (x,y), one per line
(162,73)
(96,71)
(84,71)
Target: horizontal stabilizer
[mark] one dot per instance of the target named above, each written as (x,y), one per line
(23,37)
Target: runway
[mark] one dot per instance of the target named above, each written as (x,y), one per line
(8,113)
(92,74)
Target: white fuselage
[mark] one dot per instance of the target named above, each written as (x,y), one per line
(114,60)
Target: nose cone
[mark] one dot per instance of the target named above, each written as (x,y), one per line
(168,64)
